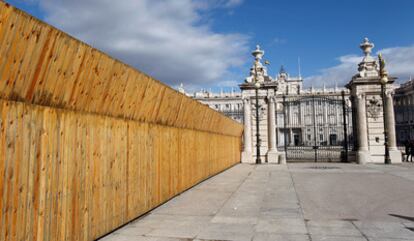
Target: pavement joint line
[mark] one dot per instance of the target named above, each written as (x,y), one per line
(232,194)
(300,205)
(360,231)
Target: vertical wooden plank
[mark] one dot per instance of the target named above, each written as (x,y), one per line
(19,189)
(75,93)
(35,39)
(43,92)
(14,152)
(8,170)
(17,52)
(86,177)
(142,84)
(5,13)
(111,89)
(95,92)
(23,209)
(44,163)
(10,49)
(42,65)
(3,164)
(70,152)
(50,155)
(8,30)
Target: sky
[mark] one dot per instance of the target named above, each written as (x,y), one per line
(208,43)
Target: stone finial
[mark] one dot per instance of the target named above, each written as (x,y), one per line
(258,53)
(258,72)
(367,47)
(368,66)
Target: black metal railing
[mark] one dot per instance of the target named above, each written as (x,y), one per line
(317,128)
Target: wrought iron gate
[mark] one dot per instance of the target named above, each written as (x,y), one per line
(317,128)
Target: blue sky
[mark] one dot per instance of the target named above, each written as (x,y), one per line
(207,43)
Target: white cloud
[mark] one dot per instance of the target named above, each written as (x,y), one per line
(208,4)
(400,63)
(339,74)
(277,41)
(167,39)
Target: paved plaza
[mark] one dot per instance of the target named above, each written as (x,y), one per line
(306,201)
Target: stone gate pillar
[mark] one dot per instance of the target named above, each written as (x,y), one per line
(365,88)
(266,88)
(362,135)
(272,155)
(395,154)
(247,135)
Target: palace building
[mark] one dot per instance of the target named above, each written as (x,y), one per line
(404,111)
(283,121)
(311,117)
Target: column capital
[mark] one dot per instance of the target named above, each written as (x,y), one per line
(360,96)
(389,93)
(246,100)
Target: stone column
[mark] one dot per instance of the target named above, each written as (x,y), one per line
(272,155)
(363,155)
(395,154)
(247,134)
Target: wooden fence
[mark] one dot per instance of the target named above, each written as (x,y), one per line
(88,143)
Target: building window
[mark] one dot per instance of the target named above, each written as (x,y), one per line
(333,140)
(309,137)
(321,137)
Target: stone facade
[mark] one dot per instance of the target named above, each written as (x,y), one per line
(229,103)
(404,111)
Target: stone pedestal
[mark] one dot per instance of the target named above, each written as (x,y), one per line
(272,156)
(247,157)
(395,156)
(282,158)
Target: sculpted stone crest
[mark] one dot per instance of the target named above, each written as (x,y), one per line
(374,108)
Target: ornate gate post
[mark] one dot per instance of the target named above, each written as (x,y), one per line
(365,89)
(363,154)
(247,135)
(272,154)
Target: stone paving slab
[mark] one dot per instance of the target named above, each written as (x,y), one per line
(294,202)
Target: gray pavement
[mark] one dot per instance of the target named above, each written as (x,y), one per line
(304,201)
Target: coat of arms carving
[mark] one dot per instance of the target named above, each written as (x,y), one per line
(374,108)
